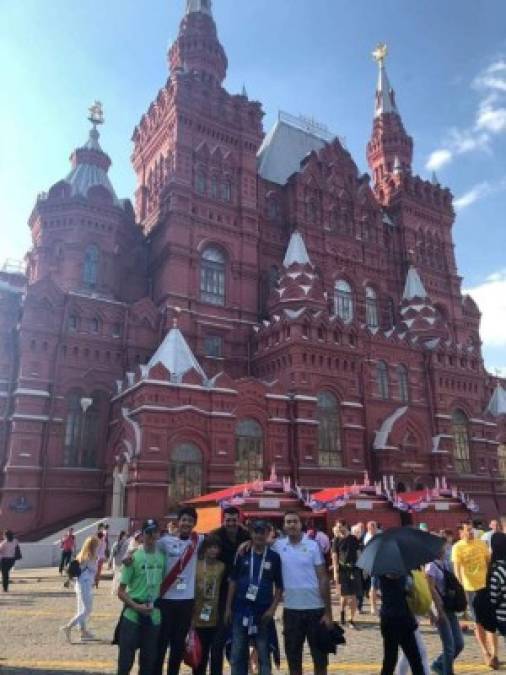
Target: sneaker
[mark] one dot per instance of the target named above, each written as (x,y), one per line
(66,630)
(354,625)
(86,636)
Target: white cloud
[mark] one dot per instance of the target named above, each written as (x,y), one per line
(491,299)
(490,119)
(438,159)
(477,192)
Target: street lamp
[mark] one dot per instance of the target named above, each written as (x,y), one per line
(85,404)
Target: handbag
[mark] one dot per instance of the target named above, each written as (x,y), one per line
(192,650)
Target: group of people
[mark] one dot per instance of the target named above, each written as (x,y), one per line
(225,588)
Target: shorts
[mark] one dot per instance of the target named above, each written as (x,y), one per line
(350,580)
(299,625)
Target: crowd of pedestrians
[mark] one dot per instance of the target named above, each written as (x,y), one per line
(206,598)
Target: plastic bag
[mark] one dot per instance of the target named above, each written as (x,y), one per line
(193,649)
(420,598)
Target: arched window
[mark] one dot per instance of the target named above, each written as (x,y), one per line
(212,276)
(226,191)
(344,301)
(93,436)
(90,270)
(213,187)
(390,313)
(95,325)
(249,451)
(200,182)
(329,430)
(382,379)
(371,307)
(185,474)
(73,428)
(461,452)
(402,378)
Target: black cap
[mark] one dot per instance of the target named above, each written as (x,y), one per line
(259,526)
(149,526)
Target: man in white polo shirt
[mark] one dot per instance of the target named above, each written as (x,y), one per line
(306,597)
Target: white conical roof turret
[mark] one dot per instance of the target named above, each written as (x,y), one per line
(414,287)
(296,251)
(203,6)
(175,354)
(497,403)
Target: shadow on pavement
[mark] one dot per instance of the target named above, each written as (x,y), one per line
(8,670)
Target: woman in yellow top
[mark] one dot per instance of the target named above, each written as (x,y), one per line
(210,573)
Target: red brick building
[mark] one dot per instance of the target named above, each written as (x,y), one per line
(262,303)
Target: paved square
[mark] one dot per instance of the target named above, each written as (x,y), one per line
(37,605)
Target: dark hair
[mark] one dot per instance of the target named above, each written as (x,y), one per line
(100,535)
(498,545)
(122,534)
(9,535)
(209,542)
(231,511)
(187,511)
(291,513)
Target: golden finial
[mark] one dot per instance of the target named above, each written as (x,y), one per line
(96,113)
(380,53)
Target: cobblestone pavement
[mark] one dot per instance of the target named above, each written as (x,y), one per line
(37,605)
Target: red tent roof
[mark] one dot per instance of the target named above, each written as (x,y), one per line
(226,493)
(412,497)
(329,494)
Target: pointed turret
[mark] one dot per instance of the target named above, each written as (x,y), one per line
(390,150)
(299,286)
(419,317)
(197,49)
(175,354)
(497,403)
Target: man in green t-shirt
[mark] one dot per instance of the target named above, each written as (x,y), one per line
(139,588)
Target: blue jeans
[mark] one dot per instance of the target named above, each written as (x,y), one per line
(240,648)
(452,641)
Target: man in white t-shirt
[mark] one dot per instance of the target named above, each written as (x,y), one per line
(495,526)
(306,597)
(176,603)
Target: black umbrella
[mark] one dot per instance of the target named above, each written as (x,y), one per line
(399,550)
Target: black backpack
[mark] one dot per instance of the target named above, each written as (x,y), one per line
(74,569)
(454,597)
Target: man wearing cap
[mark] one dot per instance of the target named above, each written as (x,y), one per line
(139,588)
(254,592)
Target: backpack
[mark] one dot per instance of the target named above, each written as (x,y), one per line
(74,569)
(454,598)
(419,598)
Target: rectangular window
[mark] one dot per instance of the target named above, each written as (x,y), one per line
(213,346)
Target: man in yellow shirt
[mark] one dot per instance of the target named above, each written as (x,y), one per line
(470,558)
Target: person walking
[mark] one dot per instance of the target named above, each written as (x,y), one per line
(178,590)
(470,558)
(306,595)
(254,592)
(370,583)
(8,547)
(118,553)
(210,571)
(494,526)
(497,580)
(67,546)
(445,620)
(87,561)
(231,536)
(138,589)
(350,576)
(101,554)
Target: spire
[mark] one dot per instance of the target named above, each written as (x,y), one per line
(497,403)
(296,251)
(176,355)
(204,6)
(385,95)
(90,163)
(390,150)
(434,179)
(414,287)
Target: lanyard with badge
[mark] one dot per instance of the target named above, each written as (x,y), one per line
(252,592)
(210,584)
(181,581)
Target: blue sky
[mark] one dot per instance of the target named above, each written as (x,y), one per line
(447,63)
